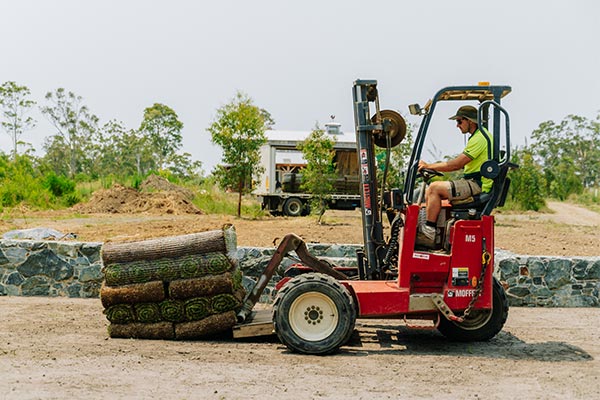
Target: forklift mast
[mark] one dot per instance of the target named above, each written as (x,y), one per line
(364,92)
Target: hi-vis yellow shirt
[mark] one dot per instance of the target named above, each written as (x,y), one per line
(477,151)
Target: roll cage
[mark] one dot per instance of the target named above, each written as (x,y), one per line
(498,164)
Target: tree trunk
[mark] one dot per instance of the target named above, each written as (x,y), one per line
(239,208)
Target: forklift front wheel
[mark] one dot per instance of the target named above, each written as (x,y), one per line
(314,314)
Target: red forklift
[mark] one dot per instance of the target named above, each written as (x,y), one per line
(451,285)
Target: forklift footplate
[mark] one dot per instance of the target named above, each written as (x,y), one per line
(260,323)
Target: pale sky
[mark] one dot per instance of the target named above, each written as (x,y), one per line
(298,60)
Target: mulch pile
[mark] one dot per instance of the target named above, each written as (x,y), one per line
(156,196)
(178,287)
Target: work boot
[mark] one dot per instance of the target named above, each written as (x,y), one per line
(426,236)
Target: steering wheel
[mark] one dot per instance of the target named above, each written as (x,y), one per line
(427,173)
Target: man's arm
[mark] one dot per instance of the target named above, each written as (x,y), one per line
(447,166)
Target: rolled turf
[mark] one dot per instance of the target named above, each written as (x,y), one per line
(120,313)
(198,308)
(137,330)
(209,285)
(133,293)
(223,302)
(172,311)
(208,326)
(223,241)
(147,312)
(168,269)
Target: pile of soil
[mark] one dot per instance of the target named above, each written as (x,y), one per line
(157,196)
(155,183)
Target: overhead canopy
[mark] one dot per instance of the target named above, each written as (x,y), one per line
(471,93)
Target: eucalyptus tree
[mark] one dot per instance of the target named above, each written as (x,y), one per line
(569,153)
(75,126)
(14,105)
(162,127)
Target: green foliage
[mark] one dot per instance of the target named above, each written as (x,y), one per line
(58,185)
(399,157)
(319,174)
(162,129)
(569,154)
(527,182)
(239,129)
(21,184)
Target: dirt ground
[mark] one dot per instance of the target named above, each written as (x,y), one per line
(568,230)
(56,348)
(53,348)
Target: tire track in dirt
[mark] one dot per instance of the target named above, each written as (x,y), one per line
(571,214)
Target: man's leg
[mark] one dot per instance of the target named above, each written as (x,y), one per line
(434,195)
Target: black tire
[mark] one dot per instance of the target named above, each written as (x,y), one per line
(481,325)
(293,207)
(314,314)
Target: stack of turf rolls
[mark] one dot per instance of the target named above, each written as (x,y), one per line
(178,287)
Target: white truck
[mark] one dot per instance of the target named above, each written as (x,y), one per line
(279,188)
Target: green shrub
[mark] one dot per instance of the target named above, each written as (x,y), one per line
(527,182)
(71,199)
(58,185)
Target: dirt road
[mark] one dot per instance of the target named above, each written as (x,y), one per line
(56,348)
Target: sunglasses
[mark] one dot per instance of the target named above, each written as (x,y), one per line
(460,120)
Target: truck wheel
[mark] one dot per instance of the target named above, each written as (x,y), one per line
(293,207)
(314,314)
(481,325)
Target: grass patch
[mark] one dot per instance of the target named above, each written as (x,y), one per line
(513,207)
(590,199)
(210,199)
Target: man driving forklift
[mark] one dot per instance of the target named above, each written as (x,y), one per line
(472,183)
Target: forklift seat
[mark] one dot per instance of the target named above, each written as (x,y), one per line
(477,202)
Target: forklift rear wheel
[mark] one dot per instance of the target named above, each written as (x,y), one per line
(481,325)
(293,207)
(314,314)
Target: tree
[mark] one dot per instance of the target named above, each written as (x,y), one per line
(319,174)
(239,129)
(527,182)
(75,125)
(122,151)
(162,127)
(569,154)
(15,105)
(399,157)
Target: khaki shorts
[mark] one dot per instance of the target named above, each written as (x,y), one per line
(463,189)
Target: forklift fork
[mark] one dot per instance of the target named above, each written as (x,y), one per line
(290,242)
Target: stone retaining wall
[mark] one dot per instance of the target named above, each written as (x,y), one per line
(50,268)
(549,281)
